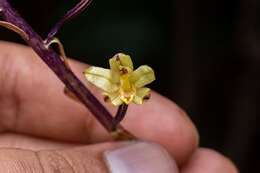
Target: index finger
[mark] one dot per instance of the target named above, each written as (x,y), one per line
(32,102)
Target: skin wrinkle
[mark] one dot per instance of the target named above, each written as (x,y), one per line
(54,162)
(17,104)
(18,160)
(88,127)
(66,161)
(24,167)
(19,69)
(39,160)
(81,159)
(11,75)
(9,81)
(16,89)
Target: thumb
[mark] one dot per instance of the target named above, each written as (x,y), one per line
(133,157)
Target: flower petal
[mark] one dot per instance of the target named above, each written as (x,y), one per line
(142,76)
(114,98)
(120,59)
(101,78)
(141,95)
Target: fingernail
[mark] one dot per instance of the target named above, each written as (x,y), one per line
(140,157)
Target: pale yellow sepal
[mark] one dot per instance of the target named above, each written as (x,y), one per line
(142,76)
(101,78)
(120,60)
(114,98)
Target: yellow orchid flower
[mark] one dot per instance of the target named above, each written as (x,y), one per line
(121,83)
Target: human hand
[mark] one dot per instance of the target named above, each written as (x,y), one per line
(44,131)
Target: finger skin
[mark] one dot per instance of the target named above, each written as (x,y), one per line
(32,99)
(15,161)
(32,102)
(80,160)
(19,141)
(84,159)
(209,161)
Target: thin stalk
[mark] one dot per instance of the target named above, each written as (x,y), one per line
(121,112)
(81,6)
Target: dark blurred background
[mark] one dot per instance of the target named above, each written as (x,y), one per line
(206,55)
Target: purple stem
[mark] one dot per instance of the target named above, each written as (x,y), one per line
(54,62)
(121,112)
(81,6)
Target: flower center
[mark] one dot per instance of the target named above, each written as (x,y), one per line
(127,90)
